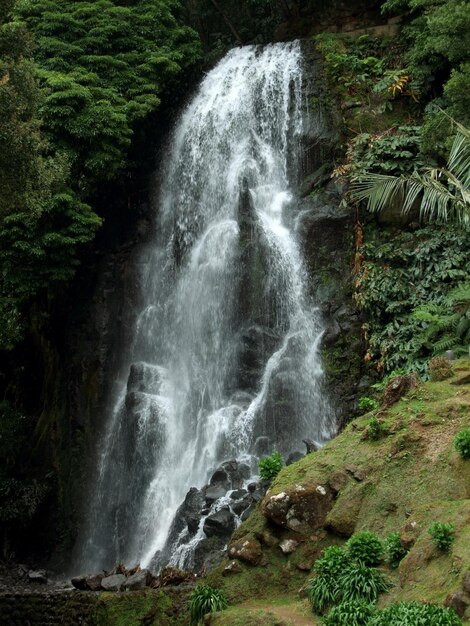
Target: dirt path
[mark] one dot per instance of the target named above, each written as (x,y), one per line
(288,612)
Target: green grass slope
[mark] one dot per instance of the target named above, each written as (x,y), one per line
(404,481)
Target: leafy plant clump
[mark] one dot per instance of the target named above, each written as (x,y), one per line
(367,404)
(323,589)
(366,548)
(415,614)
(205,599)
(394,550)
(350,613)
(442,534)
(361,583)
(462,443)
(375,429)
(270,466)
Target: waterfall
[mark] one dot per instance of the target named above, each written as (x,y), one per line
(226,346)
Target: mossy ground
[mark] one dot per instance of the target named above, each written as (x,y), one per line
(411,477)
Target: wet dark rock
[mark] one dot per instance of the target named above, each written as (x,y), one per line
(113,583)
(93,582)
(37,576)
(247,512)
(241,505)
(238,494)
(80,583)
(294,457)
(221,524)
(144,377)
(220,477)
(214,493)
(310,445)
(262,446)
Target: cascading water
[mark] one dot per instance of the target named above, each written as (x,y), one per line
(225,353)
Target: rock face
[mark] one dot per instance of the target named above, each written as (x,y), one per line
(221,523)
(113,583)
(247,549)
(301,509)
(138,581)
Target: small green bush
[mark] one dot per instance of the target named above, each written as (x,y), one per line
(322,590)
(375,429)
(350,613)
(361,583)
(415,614)
(462,443)
(442,534)
(365,547)
(394,550)
(203,600)
(367,404)
(270,466)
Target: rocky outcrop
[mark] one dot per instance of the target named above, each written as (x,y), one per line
(301,509)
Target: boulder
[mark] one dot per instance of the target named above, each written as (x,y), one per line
(398,387)
(302,509)
(238,494)
(241,505)
(214,493)
(338,480)
(294,457)
(113,583)
(80,583)
(138,581)
(288,546)
(221,523)
(247,549)
(233,567)
(458,601)
(93,582)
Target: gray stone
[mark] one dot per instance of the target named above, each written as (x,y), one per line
(233,567)
(113,583)
(238,494)
(241,505)
(220,524)
(214,493)
(137,581)
(288,546)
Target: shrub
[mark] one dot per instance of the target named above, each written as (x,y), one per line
(322,590)
(375,429)
(415,614)
(205,599)
(365,547)
(270,466)
(440,368)
(462,443)
(361,583)
(442,534)
(350,613)
(367,404)
(394,550)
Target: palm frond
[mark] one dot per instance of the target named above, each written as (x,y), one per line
(459,158)
(379,190)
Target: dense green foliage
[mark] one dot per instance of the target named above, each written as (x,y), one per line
(442,534)
(402,273)
(367,404)
(350,613)
(205,599)
(360,582)
(323,590)
(394,550)
(103,65)
(270,466)
(365,547)
(415,614)
(462,443)
(75,77)
(375,429)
